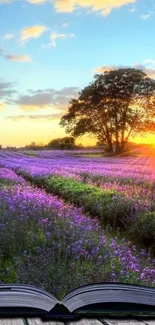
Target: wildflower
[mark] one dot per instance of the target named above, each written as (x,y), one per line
(113,275)
(142,276)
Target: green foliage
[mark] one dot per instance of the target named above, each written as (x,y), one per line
(91,155)
(143,230)
(106,108)
(8,273)
(117,212)
(111,208)
(34,146)
(6,182)
(30,153)
(62,143)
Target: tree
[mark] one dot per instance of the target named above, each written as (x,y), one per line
(31,146)
(62,143)
(116,105)
(35,146)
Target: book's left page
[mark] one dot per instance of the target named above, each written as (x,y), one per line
(26,296)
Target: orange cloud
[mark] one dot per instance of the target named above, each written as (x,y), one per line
(149,71)
(46,117)
(105,6)
(18,58)
(105,68)
(31,108)
(31,32)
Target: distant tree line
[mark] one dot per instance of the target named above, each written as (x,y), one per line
(11,148)
(65,143)
(69,144)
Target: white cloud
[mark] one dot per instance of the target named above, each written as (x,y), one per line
(144,17)
(64,25)
(148,15)
(54,37)
(36,1)
(8,36)
(150,61)
(133,9)
(5,1)
(46,46)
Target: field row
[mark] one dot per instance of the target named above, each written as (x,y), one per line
(139,170)
(33,250)
(114,209)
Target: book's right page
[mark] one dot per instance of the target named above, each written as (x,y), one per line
(104,297)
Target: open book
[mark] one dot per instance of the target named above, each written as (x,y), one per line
(95,299)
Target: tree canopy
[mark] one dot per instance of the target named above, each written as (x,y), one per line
(116,105)
(62,143)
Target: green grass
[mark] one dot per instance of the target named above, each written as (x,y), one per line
(91,155)
(29,153)
(143,230)
(6,182)
(109,206)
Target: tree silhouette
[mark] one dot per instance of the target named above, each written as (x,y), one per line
(62,143)
(116,105)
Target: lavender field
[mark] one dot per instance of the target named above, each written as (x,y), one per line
(67,220)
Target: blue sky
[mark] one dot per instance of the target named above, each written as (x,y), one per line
(51,49)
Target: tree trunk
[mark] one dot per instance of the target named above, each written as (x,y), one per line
(109,148)
(119,148)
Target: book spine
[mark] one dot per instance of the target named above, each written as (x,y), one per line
(60,317)
(59,312)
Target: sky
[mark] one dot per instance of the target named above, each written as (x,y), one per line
(51,49)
